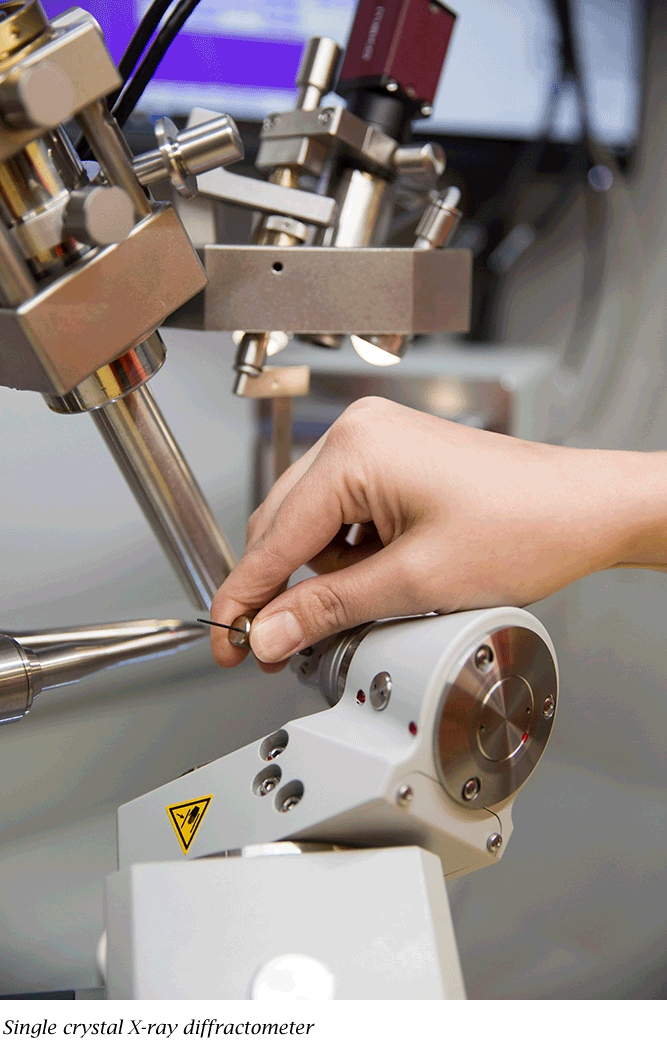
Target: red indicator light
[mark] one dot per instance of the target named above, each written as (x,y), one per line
(361,697)
(412,728)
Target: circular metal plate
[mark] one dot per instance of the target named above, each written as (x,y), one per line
(491,724)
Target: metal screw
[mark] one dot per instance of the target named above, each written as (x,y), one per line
(426,110)
(324,117)
(269,122)
(392,86)
(484,658)
(268,785)
(549,708)
(290,803)
(471,789)
(404,794)
(380,690)
(274,753)
(494,842)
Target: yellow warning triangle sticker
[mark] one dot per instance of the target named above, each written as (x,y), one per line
(186,817)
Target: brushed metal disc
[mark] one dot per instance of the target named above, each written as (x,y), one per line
(491,725)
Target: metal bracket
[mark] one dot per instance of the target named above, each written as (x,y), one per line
(331,290)
(267,197)
(106,304)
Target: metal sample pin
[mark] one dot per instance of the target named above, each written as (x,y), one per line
(239,631)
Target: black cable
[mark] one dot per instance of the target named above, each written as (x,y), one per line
(135,87)
(142,35)
(139,41)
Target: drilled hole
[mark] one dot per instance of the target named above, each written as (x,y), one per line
(289,796)
(277,267)
(273,745)
(266,780)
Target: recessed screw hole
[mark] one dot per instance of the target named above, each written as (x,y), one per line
(277,267)
(273,745)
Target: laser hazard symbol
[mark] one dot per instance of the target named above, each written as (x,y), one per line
(186,818)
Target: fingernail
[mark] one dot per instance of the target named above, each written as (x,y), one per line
(276,637)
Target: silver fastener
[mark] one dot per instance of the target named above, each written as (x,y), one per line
(494,842)
(426,110)
(471,789)
(380,690)
(290,803)
(269,122)
(274,753)
(484,658)
(267,785)
(404,794)
(549,708)
(392,86)
(239,634)
(324,117)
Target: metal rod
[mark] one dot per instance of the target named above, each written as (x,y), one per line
(70,663)
(110,149)
(161,481)
(100,633)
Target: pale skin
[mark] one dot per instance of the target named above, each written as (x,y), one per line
(454,518)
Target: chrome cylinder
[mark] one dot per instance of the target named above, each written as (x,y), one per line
(109,147)
(160,479)
(317,71)
(68,664)
(115,380)
(19,675)
(65,656)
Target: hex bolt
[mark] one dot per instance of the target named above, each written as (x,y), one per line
(380,690)
(404,794)
(98,215)
(484,658)
(471,789)
(549,708)
(494,842)
(290,803)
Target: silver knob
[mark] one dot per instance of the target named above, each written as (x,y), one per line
(420,165)
(41,96)
(182,156)
(99,215)
(439,222)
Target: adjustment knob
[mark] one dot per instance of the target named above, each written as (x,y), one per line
(38,97)
(98,216)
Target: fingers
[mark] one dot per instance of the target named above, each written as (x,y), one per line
(306,521)
(381,586)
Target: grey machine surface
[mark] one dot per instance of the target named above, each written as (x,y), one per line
(590,828)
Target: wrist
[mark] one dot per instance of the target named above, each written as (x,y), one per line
(639,510)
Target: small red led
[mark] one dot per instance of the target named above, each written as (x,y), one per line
(412,728)
(361,697)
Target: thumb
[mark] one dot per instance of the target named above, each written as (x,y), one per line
(381,586)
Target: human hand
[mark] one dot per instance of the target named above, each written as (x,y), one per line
(454,518)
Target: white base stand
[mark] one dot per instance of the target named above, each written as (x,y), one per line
(357,924)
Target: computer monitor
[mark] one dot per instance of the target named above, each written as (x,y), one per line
(242,58)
